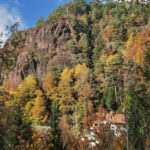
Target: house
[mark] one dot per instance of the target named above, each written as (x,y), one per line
(115,118)
(98,122)
(115,121)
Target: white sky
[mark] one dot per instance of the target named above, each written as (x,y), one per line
(8,16)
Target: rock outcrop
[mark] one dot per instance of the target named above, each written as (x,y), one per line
(40,47)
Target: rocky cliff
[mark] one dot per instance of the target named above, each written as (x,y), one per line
(39,49)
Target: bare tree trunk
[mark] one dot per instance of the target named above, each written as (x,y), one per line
(126,119)
(116,94)
(76,119)
(1,73)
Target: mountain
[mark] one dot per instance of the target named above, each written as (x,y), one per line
(68,72)
(40,47)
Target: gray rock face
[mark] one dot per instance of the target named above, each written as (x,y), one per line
(38,47)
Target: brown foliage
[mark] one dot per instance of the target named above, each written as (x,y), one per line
(69,140)
(5,98)
(142,80)
(107,34)
(136,47)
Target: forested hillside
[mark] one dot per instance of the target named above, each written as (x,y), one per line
(79,80)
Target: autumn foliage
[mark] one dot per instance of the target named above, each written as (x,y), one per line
(84,86)
(136,46)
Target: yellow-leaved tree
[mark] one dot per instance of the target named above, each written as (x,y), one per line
(73,95)
(136,46)
(84,92)
(31,99)
(38,111)
(66,102)
(26,90)
(65,91)
(49,86)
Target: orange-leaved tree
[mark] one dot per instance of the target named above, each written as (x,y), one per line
(136,46)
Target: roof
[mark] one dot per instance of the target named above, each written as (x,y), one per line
(115,118)
(102,115)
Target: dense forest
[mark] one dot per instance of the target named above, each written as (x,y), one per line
(78,80)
